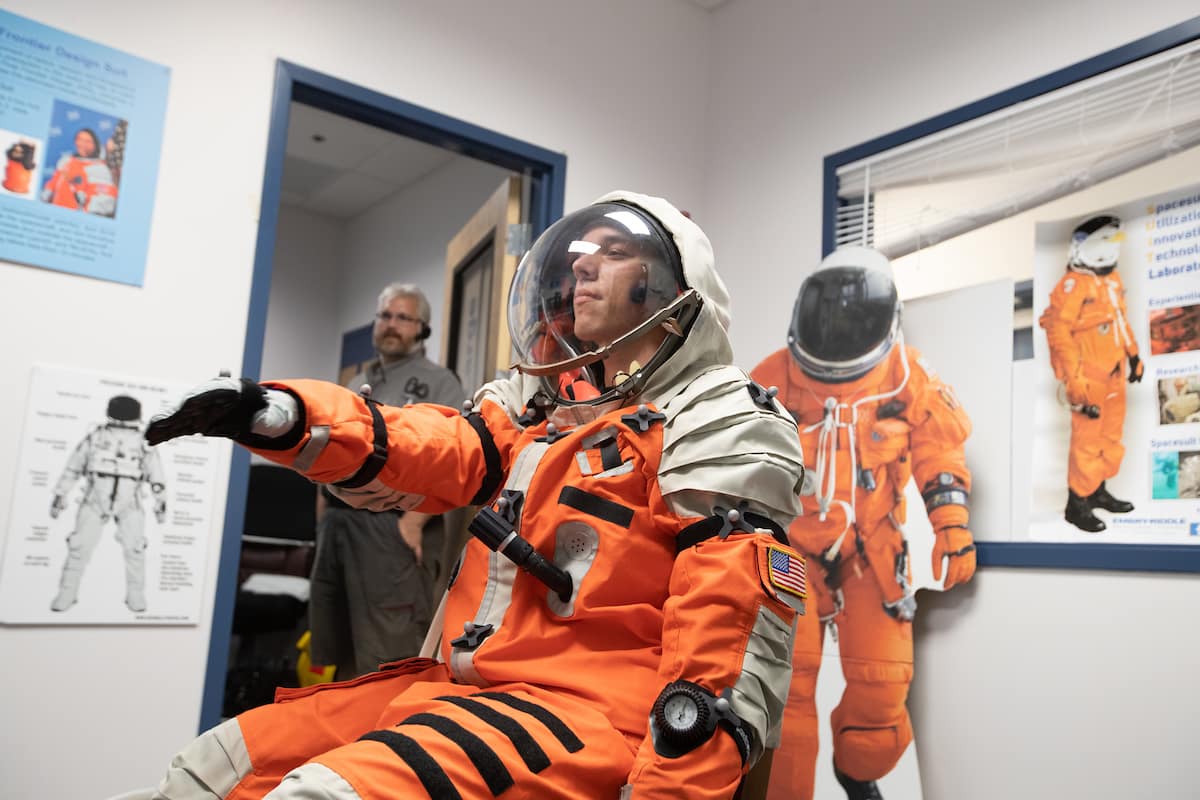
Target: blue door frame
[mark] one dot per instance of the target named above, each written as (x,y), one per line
(545,170)
(1166,558)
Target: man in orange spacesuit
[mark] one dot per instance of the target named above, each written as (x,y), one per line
(1087,329)
(622,623)
(871,415)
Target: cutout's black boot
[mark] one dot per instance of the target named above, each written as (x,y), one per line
(1102,499)
(857,790)
(1079,513)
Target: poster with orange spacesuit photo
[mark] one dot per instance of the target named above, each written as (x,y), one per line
(1117,356)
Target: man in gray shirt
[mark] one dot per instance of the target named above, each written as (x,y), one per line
(372,582)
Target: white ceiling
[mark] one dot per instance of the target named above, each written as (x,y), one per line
(340,167)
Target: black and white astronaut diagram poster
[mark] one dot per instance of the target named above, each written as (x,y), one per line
(103,528)
(1116,388)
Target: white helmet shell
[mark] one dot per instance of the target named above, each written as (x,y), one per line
(1096,245)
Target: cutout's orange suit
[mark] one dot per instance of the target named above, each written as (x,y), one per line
(919,432)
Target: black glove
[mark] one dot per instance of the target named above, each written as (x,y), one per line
(1136,368)
(222,407)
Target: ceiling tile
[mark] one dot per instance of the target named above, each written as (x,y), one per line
(303,177)
(402,161)
(344,142)
(349,194)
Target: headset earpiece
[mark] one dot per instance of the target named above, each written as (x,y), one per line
(425,331)
(638,293)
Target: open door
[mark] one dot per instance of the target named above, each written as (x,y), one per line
(481,260)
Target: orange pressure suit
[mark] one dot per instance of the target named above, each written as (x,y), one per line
(862,441)
(19,166)
(85,184)
(1087,328)
(675,578)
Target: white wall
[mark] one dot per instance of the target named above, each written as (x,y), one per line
(1031,683)
(302,337)
(90,712)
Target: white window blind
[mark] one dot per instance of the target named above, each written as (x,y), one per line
(1043,148)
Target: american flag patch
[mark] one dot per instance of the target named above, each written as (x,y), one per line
(787,572)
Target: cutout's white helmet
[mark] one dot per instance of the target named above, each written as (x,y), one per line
(1096,245)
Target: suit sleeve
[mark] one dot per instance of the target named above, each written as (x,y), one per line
(1058,319)
(152,470)
(75,465)
(1131,345)
(727,627)
(940,427)
(426,457)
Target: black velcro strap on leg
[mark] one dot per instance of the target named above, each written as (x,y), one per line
(709,527)
(491,459)
(531,752)
(432,777)
(565,735)
(379,453)
(486,762)
(597,507)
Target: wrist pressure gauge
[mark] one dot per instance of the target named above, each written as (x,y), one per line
(684,715)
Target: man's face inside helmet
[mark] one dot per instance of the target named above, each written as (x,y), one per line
(610,285)
(594,281)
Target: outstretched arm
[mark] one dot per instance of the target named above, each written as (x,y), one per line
(378,457)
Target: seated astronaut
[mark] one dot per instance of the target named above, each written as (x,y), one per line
(622,624)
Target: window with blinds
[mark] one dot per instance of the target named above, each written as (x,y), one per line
(1026,154)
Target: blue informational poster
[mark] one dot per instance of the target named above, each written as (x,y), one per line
(80,129)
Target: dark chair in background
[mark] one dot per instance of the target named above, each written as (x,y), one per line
(270,613)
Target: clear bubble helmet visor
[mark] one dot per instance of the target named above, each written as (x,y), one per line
(845,321)
(604,274)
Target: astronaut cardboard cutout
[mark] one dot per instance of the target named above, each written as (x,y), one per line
(873,418)
(103,528)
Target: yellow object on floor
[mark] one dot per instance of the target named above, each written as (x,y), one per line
(310,674)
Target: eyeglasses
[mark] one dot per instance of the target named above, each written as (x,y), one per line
(386,317)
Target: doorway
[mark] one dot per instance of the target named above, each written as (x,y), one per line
(310,99)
